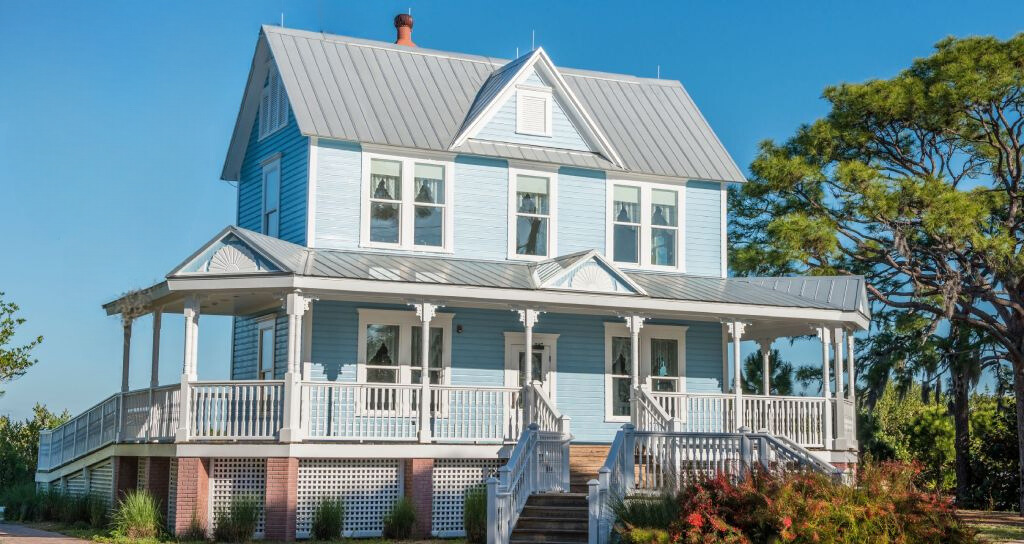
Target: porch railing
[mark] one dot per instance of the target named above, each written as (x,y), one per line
(235,409)
(545,414)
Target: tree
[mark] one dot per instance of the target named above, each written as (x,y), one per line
(780,374)
(915,181)
(14,361)
(19,444)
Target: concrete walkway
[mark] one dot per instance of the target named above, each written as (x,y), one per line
(19,534)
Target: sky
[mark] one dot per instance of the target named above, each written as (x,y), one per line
(115,119)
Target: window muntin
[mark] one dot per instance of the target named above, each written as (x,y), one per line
(406,203)
(532,205)
(389,346)
(273,114)
(644,225)
(626,224)
(382,345)
(662,364)
(271,217)
(621,375)
(385,201)
(429,212)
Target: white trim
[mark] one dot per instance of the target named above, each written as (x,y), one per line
(274,163)
(647,333)
(313,168)
(406,320)
(273,77)
(552,242)
(646,229)
(725,231)
(544,94)
(515,339)
(592,255)
(406,235)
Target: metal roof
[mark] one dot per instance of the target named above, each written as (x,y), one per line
(375,92)
(848,293)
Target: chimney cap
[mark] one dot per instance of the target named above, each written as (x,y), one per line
(403,19)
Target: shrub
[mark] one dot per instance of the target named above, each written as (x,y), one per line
(648,512)
(99,512)
(328,519)
(137,516)
(238,522)
(398,523)
(21,502)
(196,532)
(74,509)
(474,514)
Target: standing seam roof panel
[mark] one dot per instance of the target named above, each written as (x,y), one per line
(682,150)
(304,85)
(336,93)
(321,90)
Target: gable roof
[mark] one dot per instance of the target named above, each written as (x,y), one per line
(374,92)
(601,275)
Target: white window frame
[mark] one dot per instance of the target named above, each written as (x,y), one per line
(672,332)
(262,324)
(552,175)
(271,164)
(267,104)
(407,232)
(645,224)
(405,320)
(543,93)
(514,339)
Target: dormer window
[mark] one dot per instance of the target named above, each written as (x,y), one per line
(273,103)
(533,111)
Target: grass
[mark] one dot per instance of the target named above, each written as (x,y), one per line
(999,533)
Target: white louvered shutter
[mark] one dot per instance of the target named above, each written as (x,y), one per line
(532,112)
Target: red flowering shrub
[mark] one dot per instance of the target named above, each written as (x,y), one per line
(885,507)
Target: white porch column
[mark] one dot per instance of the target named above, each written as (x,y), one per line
(154,368)
(188,367)
(826,384)
(634,323)
(736,329)
(528,318)
(425,311)
(852,386)
(126,350)
(295,307)
(837,350)
(766,370)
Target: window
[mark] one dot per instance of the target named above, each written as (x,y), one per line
(407,204)
(390,347)
(533,111)
(662,364)
(643,227)
(265,348)
(271,222)
(532,223)
(436,366)
(273,103)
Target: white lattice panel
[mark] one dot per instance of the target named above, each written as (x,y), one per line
(101,480)
(367,487)
(232,478)
(76,484)
(140,478)
(452,477)
(172,492)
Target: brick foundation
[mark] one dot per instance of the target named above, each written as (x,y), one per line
(192,494)
(419,487)
(280,498)
(157,472)
(126,475)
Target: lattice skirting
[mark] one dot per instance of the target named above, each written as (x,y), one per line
(101,480)
(367,487)
(140,477)
(452,477)
(172,492)
(233,478)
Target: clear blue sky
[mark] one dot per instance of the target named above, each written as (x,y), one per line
(115,118)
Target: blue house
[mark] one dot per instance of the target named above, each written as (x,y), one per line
(445,264)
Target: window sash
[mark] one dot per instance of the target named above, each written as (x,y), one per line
(653,220)
(413,195)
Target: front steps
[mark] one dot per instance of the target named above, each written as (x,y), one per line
(584,463)
(552,518)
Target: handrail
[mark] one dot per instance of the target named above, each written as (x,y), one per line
(546,414)
(650,415)
(614,480)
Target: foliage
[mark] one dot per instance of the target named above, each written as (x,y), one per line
(780,374)
(328,519)
(399,522)
(14,361)
(238,522)
(474,514)
(196,532)
(885,430)
(931,440)
(645,512)
(19,443)
(993,453)
(137,516)
(805,507)
(24,502)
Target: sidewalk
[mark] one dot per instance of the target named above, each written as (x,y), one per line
(19,534)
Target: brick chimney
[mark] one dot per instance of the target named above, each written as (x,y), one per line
(403,23)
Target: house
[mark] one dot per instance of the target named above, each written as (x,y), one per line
(437,256)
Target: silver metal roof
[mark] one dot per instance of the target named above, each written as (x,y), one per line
(848,293)
(375,92)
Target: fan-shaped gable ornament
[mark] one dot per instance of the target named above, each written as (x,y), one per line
(232,259)
(591,277)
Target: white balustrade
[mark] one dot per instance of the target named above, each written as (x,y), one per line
(545,414)
(649,414)
(236,409)
(353,411)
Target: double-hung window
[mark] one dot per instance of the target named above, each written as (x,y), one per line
(271,217)
(407,204)
(643,226)
(390,347)
(532,225)
(662,365)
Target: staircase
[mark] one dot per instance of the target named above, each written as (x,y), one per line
(552,518)
(584,463)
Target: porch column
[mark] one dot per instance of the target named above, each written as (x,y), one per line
(824,334)
(188,370)
(837,350)
(634,323)
(766,370)
(295,306)
(736,329)
(425,311)
(126,350)
(851,389)
(528,318)
(154,369)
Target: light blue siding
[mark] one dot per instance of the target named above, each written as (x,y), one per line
(502,127)
(481,208)
(581,210)
(338,194)
(478,356)
(244,347)
(703,228)
(294,150)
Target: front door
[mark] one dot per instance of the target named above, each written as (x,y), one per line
(543,362)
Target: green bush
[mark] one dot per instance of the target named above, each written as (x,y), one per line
(21,502)
(328,519)
(137,516)
(75,509)
(474,514)
(648,512)
(99,512)
(196,532)
(398,523)
(238,522)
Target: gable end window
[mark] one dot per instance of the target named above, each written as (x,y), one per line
(644,225)
(273,103)
(407,204)
(533,111)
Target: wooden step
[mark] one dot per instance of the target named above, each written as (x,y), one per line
(573,522)
(548,535)
(562,511)
(557,499)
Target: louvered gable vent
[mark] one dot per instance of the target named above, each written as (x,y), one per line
(533,111)
(273,103)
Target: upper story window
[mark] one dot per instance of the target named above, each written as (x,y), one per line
(407,204)
(533,111)
(643,226)
(271,222)
(273,103)
(532,220)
